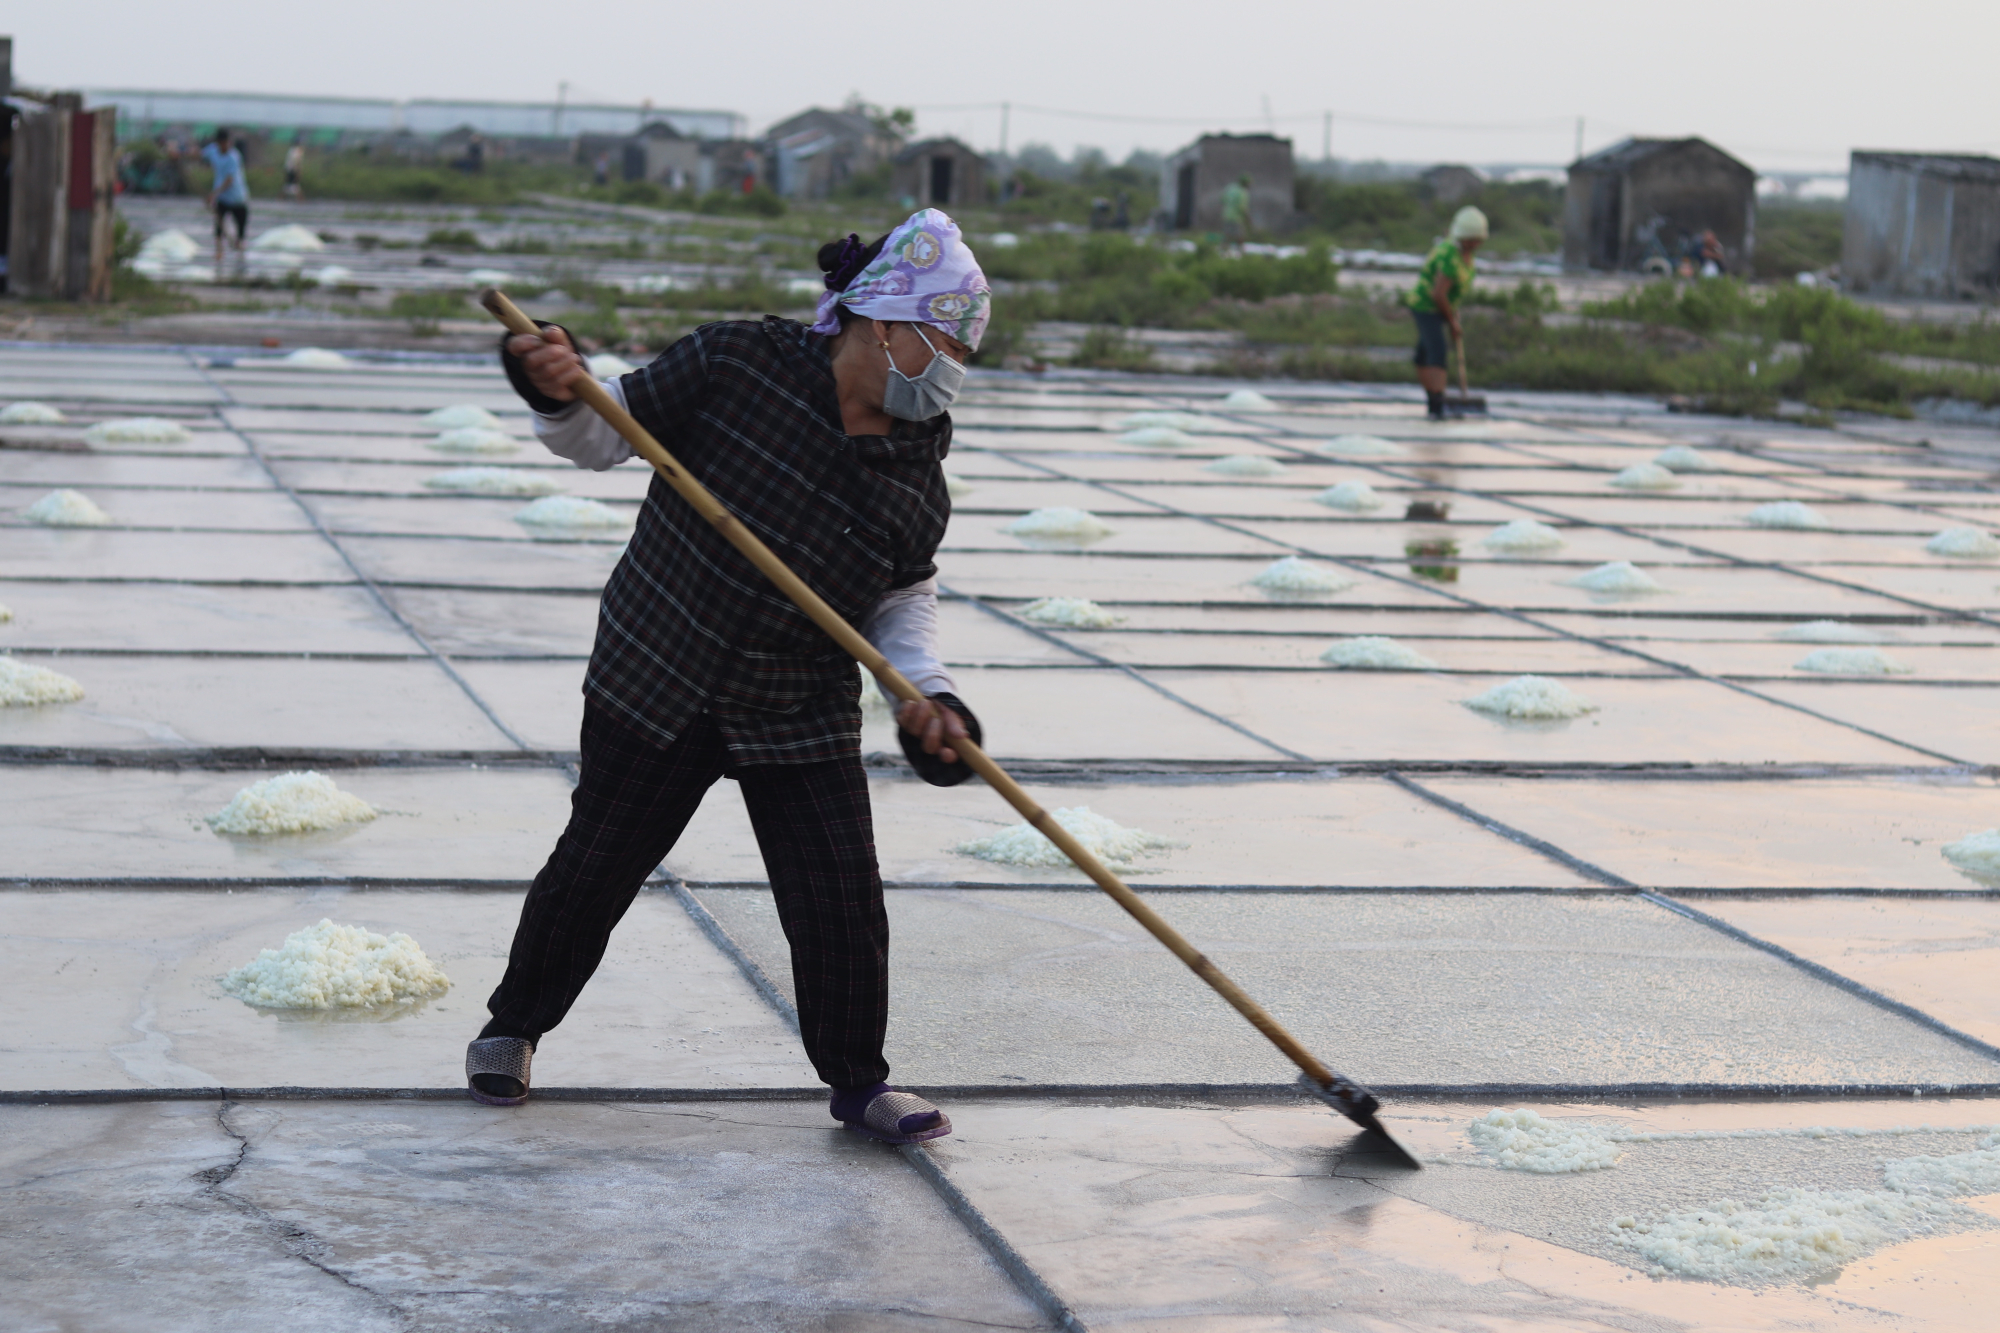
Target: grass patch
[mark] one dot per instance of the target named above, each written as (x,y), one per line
(426,310)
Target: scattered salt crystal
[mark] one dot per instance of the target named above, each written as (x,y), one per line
(1646,477)
(1376,652)
(336,967)
(1159,437)
(1960,1175)
(608,365)
(31,414)
(957,487)
(568,511)
(25,686)
(290,803)
(1523,534)
(1245,465)
(1294,575)
(1059,524)
(474,440)
(1681,458)
(493,481)
(1074,612)
(138,430)
(1787,514)
(1978,855)
(317,358)
(290,239)
(1535,697)
(1524,1140)
(1829,631)
(461,415)
(66,509)
(1618,576)
(1360,446)
(1112,843)
(1248,400)
(1356,497)
(1852,662)
(1965,543)
(1787,1235)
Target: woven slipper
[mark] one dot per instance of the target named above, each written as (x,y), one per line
(496,1070)
(886,1112)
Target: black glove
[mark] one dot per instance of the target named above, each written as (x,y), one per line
(930,767)
(517,376)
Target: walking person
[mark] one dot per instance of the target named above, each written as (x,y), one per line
(295,166)
(1236,210)
(229,196)
(1441,283)
(828,443)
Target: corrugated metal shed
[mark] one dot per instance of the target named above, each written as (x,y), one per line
(1922,224)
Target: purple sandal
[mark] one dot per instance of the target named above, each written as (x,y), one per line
(895,1117)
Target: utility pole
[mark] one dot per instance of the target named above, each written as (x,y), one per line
(1326,141)
(1579,139)
(1005,108)
(555,118)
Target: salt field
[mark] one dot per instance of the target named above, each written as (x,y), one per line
(1674,900)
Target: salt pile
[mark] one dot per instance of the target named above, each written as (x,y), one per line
(1786,1235)
(290,803)
(474,440)
(66,509)
(1184,421)
(1372,651)
(1829,631)
(1360,446)
(337,967)
(6,614)
(1978,855)
(1960,1175)
(567,511)
(1294,575)
(31,414)
(138,430)
(331,275)
(1523,534)
(289,239)
(489,277)
(1356,497)
(1523,1140)
(492,481)
(1852,662)
(1680,458)
(1112,843)
(317,358)
(1620,576)
(606,365)
(1533,697)
(1248,400)
(1787,514)
(24,686)
(957,487)
(172,246)
(462,415)
(1245,465)
(1158,437)
(1646,477)
(1059,524)
(1073,612)
(1965,543)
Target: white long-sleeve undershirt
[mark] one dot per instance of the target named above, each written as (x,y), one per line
(903,622)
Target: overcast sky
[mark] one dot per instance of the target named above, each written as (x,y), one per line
(1784,85)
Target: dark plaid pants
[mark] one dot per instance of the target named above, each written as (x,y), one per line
(818,838)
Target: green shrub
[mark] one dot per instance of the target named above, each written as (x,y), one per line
(452,238)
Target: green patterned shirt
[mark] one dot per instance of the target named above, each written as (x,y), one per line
(1456,266)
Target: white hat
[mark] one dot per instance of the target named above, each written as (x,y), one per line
(1467,224)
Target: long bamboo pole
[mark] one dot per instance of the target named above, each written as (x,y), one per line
(1349,1098)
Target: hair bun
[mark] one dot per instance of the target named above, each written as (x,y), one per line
(829,254)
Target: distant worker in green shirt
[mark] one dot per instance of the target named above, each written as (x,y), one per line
(1442,281)
(1236,209)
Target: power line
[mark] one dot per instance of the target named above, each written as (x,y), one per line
(1301,117)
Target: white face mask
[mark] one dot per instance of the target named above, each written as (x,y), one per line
(926,395)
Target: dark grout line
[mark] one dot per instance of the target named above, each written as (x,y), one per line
(725,944)
(1514,835)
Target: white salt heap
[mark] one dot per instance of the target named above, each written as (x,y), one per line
(1360,446)
(1191,422)
(6,614)
(1059,524)
(1646,477)
(1159,437)
(607,365)
(1523,1140)
(1294,575)
(1356,497)
(489,277)
(138,430)
(1248,400)
(1112,843)
(1074,612)
(1965,543)
(1961,1175)
(1829,631)
(1245,465)
(1680,458)
(460,415)
(567,511)
(25,686)
(317,358)
(1852,662)
(172,246)
(290,239)
(66,509)
(1787,514)
(492,481)
(1786,1235)
(474,440)
(331,275)
(1618,576)
(1532,697)
(1374,651)
(31,414)
(957,487)
(1978,855)
(290,803)
(337,967)
(1523,534)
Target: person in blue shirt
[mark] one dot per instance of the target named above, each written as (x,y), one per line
(230,196)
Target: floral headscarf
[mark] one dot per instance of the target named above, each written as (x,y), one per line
(925,274)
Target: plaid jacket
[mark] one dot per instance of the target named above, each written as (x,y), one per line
(688,624)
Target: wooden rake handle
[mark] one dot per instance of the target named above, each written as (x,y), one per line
(892,681)
(1458,345)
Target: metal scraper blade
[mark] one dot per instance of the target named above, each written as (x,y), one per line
(1359,1105)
